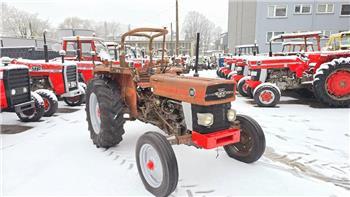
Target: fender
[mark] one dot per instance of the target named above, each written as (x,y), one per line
(252,84)
(3,100)
(267,84)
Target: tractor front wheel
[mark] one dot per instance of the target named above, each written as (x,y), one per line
(266,95)
(34,114)
(252,141)
(242,87)
(50,101)
(156,163)
(74,101)
(104,113)
(332,83)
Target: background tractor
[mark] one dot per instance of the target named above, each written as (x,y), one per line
(15,93)
(327,73)
(190,110)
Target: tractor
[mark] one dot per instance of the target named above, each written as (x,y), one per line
(240,52)
(85,51)
(15,92)
(339,41)
(189,110)
(54,79)
(289,47)
(326,73)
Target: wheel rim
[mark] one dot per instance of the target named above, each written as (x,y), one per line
(266,97)
(338,84)
(151,165)
(95,114)
(46,105)
(245,88)
(245,145)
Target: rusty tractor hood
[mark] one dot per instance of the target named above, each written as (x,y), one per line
(194,90)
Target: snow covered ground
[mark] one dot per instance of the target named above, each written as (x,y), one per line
(307,154)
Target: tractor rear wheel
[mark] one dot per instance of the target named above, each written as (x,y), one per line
(34,114)
(156,163)
(242,87)
(266,95)
(104,113)
(252,141)
(332,83)
(50,101)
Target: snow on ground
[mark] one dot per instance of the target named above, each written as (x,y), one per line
(307,154)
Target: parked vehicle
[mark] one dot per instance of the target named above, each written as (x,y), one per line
(85,51)
(290,46)
(339,41)
(60,78)
(15,92)
(327,73)
(183,107)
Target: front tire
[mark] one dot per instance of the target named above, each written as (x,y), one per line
(266,95)
(74,101)
(156,163)
(252,142)
(104,113)
(242,87)
(50,102)
(332,83)
(34,114)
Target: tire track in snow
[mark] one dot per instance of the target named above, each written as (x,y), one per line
(302,169)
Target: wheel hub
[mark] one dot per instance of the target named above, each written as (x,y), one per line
(245,88)
(151,165)
(338,83)
(46,104)
(266,96)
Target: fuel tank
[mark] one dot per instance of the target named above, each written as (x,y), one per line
(194,90)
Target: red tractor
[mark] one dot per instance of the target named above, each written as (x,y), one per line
(194,111)
(327,73)
(85,51)
(240,51)
(15,92)
(289,47)
(60,78)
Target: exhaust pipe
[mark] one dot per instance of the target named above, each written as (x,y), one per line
(197,57)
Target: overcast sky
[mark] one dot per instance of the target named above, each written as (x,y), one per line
(135,12)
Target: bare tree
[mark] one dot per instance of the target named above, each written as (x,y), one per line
(196,22)
(106,29)
(20,23)
(76,23)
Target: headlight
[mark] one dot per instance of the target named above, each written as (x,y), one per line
(13,92)
(231,115)
(205,119)
(72,84)
(253,73)
(25,90)
(238,68)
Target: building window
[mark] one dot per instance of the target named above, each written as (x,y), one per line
(302,9)
(345,10)
(325,8)
(277,11)
(271,34)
